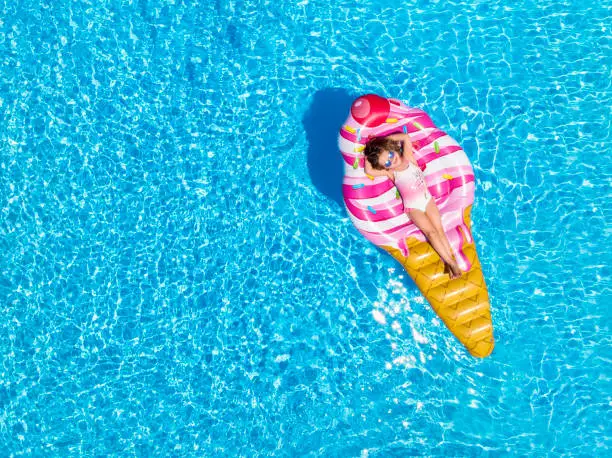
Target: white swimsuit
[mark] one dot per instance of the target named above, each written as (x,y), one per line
(412,187)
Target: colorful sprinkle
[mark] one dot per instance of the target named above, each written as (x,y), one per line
(397,194)
(447,176)
(356,163)
(358,135)
(437,147)
(418,125)
(358,186)
(359,148)
(391,120)
(405,129)
(372,210)
(369,176)
(349,129)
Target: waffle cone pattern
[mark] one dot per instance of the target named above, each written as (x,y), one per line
(462,303)
(376,209)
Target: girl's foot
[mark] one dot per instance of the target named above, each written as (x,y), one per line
(453,270)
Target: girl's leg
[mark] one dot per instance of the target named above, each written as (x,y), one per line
(436,239)
(434,215)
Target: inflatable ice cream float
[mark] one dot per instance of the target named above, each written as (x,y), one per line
(375,207)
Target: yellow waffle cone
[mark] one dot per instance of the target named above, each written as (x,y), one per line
(462,303)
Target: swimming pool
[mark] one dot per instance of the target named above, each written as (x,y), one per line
(179,277)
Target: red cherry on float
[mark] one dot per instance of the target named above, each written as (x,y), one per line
(370,110)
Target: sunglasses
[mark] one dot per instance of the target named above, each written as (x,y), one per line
(389,161)
(392,155)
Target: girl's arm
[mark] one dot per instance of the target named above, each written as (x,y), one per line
(406,143)
(369,170)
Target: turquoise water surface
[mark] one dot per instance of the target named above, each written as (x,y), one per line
(178,274)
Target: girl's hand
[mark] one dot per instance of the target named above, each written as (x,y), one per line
(399,137)
(404,139)
(368,169)
(372,172)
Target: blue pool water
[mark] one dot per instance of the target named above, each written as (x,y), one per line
(179,278)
